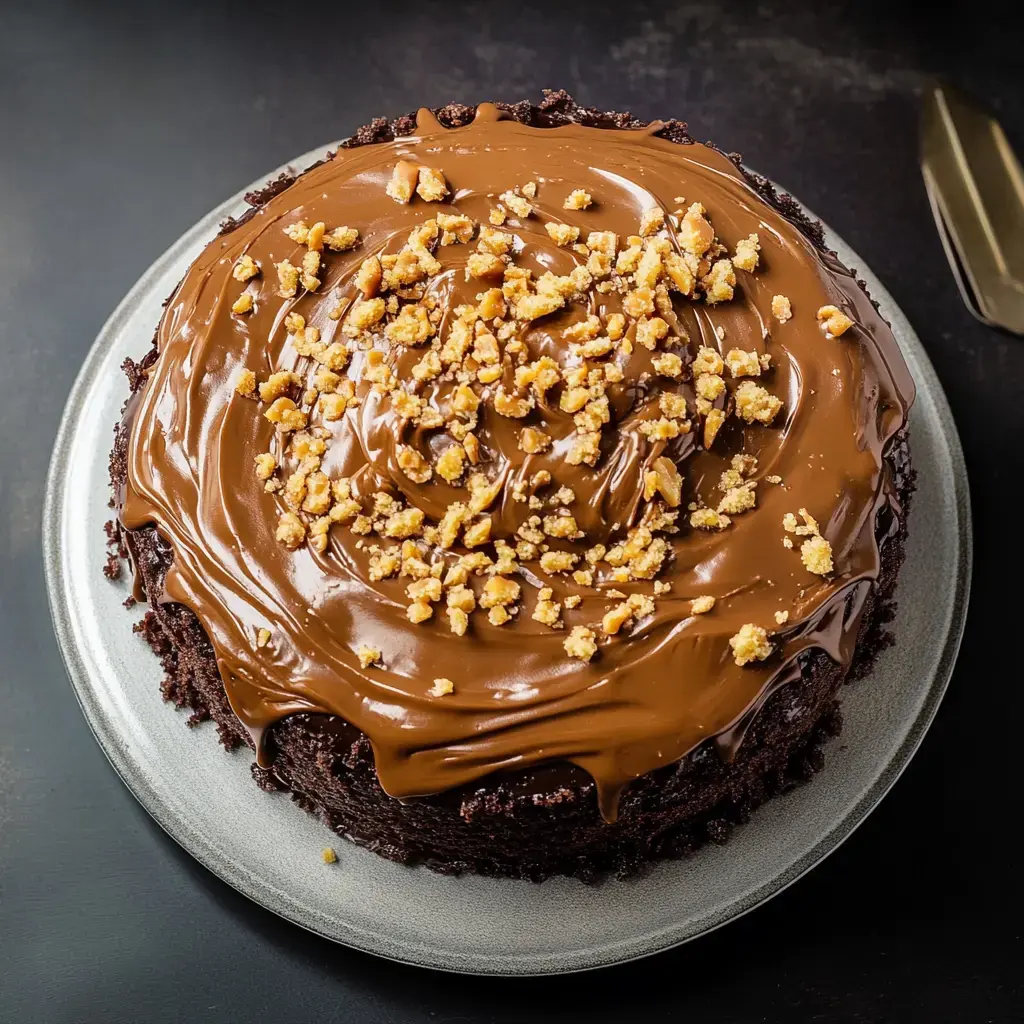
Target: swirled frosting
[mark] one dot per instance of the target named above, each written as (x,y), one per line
(315,618)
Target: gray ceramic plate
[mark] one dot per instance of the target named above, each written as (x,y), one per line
(270,850)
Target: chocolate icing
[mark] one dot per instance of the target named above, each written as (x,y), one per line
(655,691)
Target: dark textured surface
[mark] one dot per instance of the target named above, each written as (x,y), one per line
(119,128)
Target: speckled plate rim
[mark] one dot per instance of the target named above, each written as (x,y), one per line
(379,940)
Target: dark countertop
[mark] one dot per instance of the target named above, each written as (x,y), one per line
(120,125)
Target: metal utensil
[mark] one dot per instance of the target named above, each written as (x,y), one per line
(976,189)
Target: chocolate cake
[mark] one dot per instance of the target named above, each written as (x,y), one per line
(521,483)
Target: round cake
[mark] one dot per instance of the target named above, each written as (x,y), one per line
(521,483)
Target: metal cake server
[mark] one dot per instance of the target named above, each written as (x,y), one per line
(976,189)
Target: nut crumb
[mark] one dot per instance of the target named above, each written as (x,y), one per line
(341,238)
(291,531)
(750,644)
(517,204)
(747,250)
(720,282)
(442,687)
(328,855)
(834,320)
(432,185)
(245,383)
(561,234)
(652,220)
(712,424)
(708,519)
(754,404)
(245,268)
(782,618)
(702,605)
(816,554)
(368,656)
(287,279)
(403,181)
(782,308)
(262,637)
(577,199)
(266,464)
(743,364)
(580,642)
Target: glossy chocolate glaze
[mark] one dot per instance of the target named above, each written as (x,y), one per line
(658,688)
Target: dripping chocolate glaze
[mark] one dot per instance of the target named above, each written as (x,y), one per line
(653,693)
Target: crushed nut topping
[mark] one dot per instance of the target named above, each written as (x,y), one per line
(447,375)
(834,320)
(815,552)
(562,234)
(520,206)
(754,404)
(245,268)
(743,364)
(288,279)
(709,519)
(782,309)
(403,181)
(652,220)
(750,644)
(442,687)
(432,185)
(577,200)
(747,254)
(245,382)
(580,643)
(368,656)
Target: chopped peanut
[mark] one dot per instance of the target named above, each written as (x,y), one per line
(245,383)
(816,554)
(782,308)
(291,531)
(403,181)
(580,643)
(709,519)
(720,282)
(561,234)
(695,233)
(432,185)
(747,250)
(652,220)
(368,656)
(577,200)
(754,404)
(743,364)
(245,268)
(750,644)
(834,320)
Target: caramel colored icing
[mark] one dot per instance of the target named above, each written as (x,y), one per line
(664,682)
